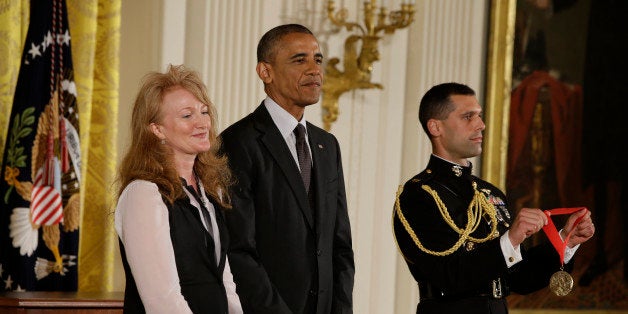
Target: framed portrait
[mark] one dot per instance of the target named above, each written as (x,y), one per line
(555,85)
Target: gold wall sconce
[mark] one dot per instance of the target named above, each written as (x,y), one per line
(358,67)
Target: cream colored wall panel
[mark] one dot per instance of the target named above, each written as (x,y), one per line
(370,135)
(173,31)
(221,42)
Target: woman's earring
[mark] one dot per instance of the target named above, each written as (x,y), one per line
(163,141)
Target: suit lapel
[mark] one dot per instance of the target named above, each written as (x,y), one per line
(276,145)
(318,149)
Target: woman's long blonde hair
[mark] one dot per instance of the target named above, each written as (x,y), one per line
(148,159)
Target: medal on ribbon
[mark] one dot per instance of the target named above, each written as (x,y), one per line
(561,282)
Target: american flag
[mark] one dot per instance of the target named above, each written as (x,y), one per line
(40,181)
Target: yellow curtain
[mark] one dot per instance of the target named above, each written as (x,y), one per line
(14,16)
(95,30)
(95,33)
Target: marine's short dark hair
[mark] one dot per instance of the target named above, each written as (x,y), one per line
(436,103)
(268,43)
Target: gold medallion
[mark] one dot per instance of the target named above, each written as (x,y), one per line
(561,283)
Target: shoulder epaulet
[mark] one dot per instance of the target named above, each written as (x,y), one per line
(422,177)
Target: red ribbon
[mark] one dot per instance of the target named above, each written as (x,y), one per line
(552,233)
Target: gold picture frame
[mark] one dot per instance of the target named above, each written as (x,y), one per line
(497,94)
(498,87)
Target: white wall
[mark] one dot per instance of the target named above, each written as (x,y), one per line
(378,131)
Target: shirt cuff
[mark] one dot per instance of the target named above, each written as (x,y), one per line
(512,255)
(569,252)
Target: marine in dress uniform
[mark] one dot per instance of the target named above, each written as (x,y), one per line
(447,224)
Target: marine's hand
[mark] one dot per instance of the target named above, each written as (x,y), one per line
(527,222)
(582,232)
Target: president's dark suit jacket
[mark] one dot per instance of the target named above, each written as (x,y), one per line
(285,256)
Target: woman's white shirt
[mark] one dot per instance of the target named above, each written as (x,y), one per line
(141,221)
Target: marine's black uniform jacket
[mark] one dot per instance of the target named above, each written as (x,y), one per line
(470,279)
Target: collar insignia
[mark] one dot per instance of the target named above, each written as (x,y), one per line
(457,170)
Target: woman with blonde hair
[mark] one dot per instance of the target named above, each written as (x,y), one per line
(172,194)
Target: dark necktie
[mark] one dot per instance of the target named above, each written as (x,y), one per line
(303,154)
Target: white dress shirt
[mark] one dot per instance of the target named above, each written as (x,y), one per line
(141,221)
(286,123)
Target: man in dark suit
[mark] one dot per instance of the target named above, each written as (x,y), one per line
(291,248)
(460,241)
